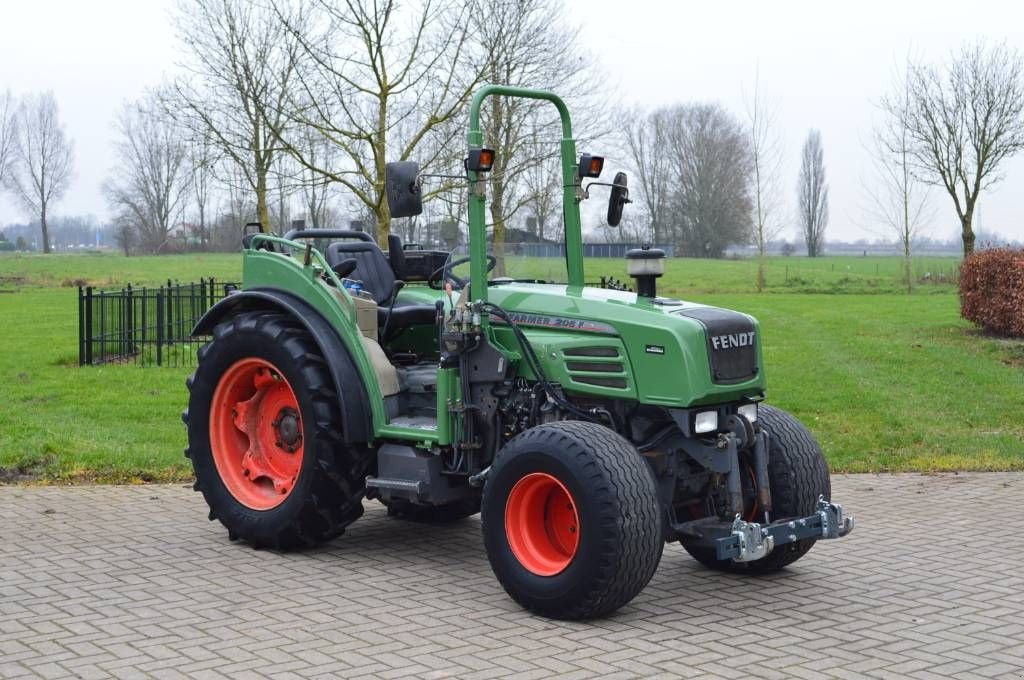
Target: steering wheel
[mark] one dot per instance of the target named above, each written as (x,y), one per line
(445,273)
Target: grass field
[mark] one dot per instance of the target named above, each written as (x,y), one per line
(885,380)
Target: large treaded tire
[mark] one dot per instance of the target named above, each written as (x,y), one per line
(798,475)
(620,537)
(327,494)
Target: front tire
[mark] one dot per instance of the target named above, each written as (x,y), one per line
(798,476)
(264,433)
(571,520)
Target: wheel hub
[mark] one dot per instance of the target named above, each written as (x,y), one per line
(542,524)
(256,433)
(289,433)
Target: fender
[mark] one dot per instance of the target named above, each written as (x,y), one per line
(357,424)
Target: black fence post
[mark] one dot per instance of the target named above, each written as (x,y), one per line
(168,306)
(159,325)
(88,324)
(129,324)
(103,325)
(81,327)
(145,326)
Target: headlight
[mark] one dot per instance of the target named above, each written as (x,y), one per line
(706,421)
(748,411)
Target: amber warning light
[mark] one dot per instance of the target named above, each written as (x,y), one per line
(480,160)
(591,166)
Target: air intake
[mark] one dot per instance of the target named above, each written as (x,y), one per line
(596,366)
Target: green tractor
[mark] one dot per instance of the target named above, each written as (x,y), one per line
(587,425)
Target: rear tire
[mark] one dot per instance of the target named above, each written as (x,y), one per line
(798,475)
(293,483)
(571,520)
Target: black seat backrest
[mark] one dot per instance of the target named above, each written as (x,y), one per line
(373,269)
(396,255)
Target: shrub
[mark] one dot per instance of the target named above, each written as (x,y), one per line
(992,290)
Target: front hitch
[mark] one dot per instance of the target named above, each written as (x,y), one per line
(743,541)
(749,541)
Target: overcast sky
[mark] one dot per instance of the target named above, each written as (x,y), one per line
(822,64)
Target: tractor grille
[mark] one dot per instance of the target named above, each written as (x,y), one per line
(732,343)
(596,366)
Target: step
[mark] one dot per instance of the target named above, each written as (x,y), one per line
(394,484)
(415,422)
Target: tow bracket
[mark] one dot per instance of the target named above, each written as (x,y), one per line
(749,541)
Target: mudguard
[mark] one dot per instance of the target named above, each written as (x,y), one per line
(355,413)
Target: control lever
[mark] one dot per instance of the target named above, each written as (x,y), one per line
(399,285)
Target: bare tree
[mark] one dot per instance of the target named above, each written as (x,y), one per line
(710,204)
(965,118)
(124,233)
(202,160)
(43,158)
(314,186)
(377,79)
(812,195)
(240,62)
(8,130)
(646,140)
(897,198)
(528,44)
(542,182)
(766,158)
(152,179)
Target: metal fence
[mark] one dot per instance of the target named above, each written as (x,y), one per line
(144,326)
(609,250)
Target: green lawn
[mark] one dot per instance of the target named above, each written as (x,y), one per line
(885,380)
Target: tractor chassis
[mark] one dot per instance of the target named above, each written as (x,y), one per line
(741,540)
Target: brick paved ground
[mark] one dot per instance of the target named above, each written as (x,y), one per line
(127,582)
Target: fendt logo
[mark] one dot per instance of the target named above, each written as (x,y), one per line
(732,340)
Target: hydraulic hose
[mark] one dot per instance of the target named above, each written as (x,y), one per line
(533,360)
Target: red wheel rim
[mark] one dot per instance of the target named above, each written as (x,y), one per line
(542,525)
(256,434)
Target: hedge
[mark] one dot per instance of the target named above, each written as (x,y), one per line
(992,290)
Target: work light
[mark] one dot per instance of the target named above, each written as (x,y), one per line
(706,421)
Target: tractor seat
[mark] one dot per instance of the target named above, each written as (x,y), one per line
(378,278)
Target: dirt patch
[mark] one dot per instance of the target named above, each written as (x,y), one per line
(16,281)
(26,470)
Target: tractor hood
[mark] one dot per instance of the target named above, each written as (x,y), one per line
(613,344)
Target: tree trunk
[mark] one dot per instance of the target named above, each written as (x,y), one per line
(382,209)
(383,220)
(262,210)
(46,233)
(203,241)
(498,219)
(906,264)
(968,231)
(762,263)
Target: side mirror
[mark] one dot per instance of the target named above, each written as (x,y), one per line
(617,199)
(402,186)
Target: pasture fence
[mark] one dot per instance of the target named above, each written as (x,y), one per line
(149,326)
